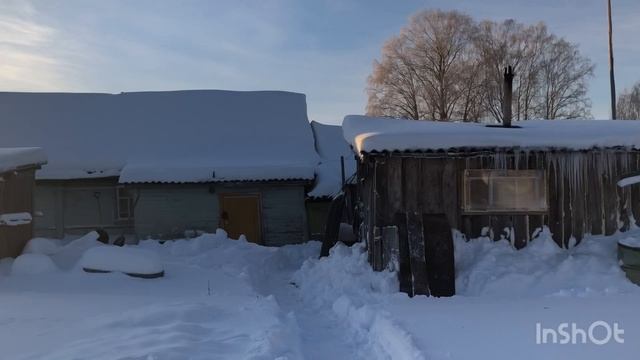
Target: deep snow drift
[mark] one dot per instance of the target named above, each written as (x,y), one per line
(230,299)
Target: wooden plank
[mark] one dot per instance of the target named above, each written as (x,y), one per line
(624,194)
(332,227)
(390,244)
(393,188)
(521,231)
(501,227)
(536,222)
(555,204)
(449,193)
(370,207)
(405,278)
(594,189)
(577,209)
(430,193)
(411,176)
(415,239)
(610,198)
(567,211)
(439,255)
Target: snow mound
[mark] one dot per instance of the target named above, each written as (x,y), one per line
(345,282)
(15,219)
(68,255)
(33,264)
(128,260)
(495,268)
(42,246)
(630,241)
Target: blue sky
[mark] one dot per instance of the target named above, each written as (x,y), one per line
(323,48)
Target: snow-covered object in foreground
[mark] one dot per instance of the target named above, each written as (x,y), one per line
(13,158)
(68,255)
(631,241)
(368,134)
(167,136)
(42,246)
(32,264)
(331,145)
(631,180)
(15,219)
(129,260)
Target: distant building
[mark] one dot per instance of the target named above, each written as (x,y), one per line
(331,146)
(416,178)
(17,169)
(167,164)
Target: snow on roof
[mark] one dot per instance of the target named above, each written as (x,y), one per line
(330,144)
(168,136)
(13,158)
(370,134)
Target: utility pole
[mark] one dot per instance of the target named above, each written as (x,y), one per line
(612,78)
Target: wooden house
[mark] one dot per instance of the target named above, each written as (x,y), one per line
(17,170)
(418,180)
(168,164)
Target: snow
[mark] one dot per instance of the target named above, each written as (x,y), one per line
(502,294)
(631,180)
(369,134)
(168,136)
(231,299)
(32,264)
(331,145)
(15,219)
(42,246)
(630,241)
(128,260)
(13,158)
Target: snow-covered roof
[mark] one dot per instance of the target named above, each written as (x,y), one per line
(331,145)
(14,158)
(370,134)
(168,136)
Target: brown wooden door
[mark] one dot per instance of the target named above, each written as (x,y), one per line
(240,214)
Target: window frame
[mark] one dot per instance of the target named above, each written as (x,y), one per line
(130,204)
(493,174)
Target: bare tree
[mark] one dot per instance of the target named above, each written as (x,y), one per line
(444,66)
(393,86)
(564,75)
(628,107)
(420,70)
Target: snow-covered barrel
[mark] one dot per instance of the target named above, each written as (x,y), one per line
(629,256)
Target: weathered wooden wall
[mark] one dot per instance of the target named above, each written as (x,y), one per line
(582,193)
(16,196)
(165,211)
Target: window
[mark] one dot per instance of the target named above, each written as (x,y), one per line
(124,202)
(495,191)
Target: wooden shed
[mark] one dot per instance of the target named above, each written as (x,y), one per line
(17,173)
(418,180)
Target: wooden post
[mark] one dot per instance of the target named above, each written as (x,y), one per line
(417,251)
(612,78)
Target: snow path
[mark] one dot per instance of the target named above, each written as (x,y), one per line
(322,335)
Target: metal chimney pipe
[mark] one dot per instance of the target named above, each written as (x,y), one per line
(507,90)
